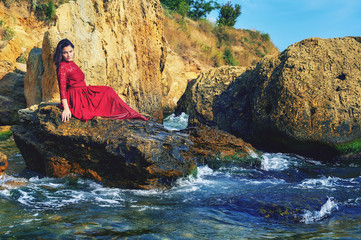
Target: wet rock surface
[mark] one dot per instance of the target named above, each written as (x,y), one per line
(130,153)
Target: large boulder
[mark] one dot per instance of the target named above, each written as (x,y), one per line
(200,94)
(118,43)
(129,153)
(11,97)
(305,100)
(32,82)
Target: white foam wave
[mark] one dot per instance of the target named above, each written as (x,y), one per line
(173,122)
(252,154)
(191,184)
(275,161)
(320,183)
(264,181)
(326,210)
(49,193)
(328,182)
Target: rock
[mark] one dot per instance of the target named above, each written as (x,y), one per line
(9,52)
(11,98)
(218,148)
(32,83)
(185,100)
(175,78)
(3,162)
(204,91)
(117,43)
(130,153)
(305,100)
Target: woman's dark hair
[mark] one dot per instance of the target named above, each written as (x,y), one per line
(58,56)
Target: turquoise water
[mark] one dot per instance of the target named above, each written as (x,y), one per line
(290,197)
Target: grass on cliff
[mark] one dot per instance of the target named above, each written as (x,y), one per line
(43,9)
(214,45)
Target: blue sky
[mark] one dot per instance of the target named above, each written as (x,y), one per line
(289,21)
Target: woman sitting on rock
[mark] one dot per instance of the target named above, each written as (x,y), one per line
(82,101)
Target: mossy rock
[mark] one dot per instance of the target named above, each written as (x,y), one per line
(353,147)
(239,159)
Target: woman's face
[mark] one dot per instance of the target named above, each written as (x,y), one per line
(68,53)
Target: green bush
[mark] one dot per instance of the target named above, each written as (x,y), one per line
(45,10)
(265,37)
(5,135)
(228,57)
(22,58)
(49,10)
(217,59)
(222,35)
(228,14)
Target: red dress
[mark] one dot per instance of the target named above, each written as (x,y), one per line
(86,102)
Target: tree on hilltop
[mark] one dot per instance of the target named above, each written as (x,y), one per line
(201,8)
(194,9)
(228,14)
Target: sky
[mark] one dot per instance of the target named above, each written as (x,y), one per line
(290,21)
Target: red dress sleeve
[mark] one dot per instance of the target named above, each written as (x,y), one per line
(62,78)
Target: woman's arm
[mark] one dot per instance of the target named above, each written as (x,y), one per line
(62,76)
(66,115)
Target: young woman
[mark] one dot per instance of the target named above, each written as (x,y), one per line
(82,101)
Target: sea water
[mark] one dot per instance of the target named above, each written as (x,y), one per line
(289,197)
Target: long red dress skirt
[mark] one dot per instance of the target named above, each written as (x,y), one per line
(91,101)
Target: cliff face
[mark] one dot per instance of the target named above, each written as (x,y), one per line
(20,31)
(118,43)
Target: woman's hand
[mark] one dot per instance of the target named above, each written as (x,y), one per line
(66,115)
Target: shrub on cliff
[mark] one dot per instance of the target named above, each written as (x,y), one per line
(206,43)
(228,14)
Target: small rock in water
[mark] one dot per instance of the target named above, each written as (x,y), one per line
(3,162)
